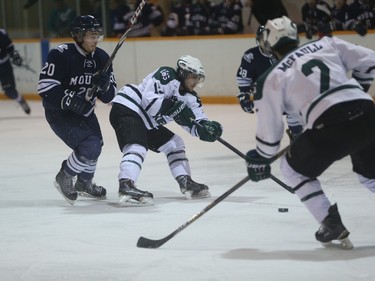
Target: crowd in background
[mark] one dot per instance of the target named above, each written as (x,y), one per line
(321,18)
(209,17)
(213,17)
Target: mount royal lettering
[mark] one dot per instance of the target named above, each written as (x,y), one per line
(311,48)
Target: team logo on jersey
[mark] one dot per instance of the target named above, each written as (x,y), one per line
(89,63)
(62,47)
(249,57)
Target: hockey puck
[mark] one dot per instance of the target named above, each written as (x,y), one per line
(283,210)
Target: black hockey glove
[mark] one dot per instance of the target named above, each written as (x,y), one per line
(181,114)
(258,167)
(209,130)
(16,58)
(74,103)
(246,102)
(101,80)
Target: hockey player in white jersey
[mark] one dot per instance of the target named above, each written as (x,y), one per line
(339,116)
(138,114)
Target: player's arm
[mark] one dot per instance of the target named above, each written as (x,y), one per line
(245,85)
(52,89)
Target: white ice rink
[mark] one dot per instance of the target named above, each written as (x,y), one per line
(43,238)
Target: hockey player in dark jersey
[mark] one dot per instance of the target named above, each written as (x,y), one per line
(138,115)
(255,61)
(8,55)
(67,78)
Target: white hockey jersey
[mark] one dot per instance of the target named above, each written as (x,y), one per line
(146,98)
(306,82)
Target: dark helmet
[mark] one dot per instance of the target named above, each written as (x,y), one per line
(82,24)
(261,40)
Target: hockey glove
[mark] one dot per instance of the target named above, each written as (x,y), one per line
(101,80)
(16,58)
(74,103)
(258,167)
(181,114)
(246,102)
(209,130)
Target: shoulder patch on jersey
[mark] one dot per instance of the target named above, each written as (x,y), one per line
(248,57)
(165,74)
(62,47)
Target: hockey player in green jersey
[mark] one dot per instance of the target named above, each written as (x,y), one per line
(138,115)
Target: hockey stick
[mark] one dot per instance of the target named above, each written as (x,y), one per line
(239,153)
(133,19)
(152,244)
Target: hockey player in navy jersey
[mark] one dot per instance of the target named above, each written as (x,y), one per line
(138,115)
(8,55)
(254,62)
(338,114)
(66,81)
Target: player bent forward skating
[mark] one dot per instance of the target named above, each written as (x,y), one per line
(338,114)
(138,115)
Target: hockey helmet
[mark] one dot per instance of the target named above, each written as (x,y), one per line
(282,34)
(260,39)
(83,24)
(189,65)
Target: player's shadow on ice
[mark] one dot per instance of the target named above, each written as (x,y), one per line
(318,255)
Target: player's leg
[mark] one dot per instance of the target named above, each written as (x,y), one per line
(131,136)
(9,86)
(173,146)
(83,136)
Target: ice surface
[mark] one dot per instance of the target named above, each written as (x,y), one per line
(244,237)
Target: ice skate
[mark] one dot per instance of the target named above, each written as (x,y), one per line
(64,184)
(192,189)
(90,189)
(131,196)
(332,232)
(24,106)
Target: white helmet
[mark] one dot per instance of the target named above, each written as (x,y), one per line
(281,31)
(188,64)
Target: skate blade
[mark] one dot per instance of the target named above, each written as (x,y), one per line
(344,244)
(131,201)
(88,195)
(189,195)
(57,186)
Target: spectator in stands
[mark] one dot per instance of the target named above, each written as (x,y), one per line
(178,19)
(200,14)
(363,13)
(341,16)
(95,9)
(316,16)
(226,18)
(60,19)
(119,13)
(152,16)
(267,10)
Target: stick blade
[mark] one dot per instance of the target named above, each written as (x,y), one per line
(149,243)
